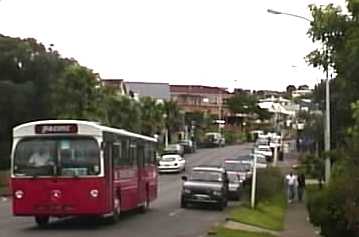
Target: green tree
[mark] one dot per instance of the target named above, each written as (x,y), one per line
(77,95)
(174,117)
(152,116)
(121,111)
(338,34)
(244,103)
(27,71)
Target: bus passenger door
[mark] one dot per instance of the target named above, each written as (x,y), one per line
(108,153)
(142,192)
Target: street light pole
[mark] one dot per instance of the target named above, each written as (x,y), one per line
(327,102)
(327,128)
(288,14)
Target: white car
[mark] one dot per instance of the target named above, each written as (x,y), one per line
(171,163)
(261,161)
(264,150)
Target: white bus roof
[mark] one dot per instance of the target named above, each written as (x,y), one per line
(84,128)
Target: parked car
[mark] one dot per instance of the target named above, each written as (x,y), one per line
(208,185)
(174,149)
(214,139)
(261,160)
(242,169)
(235,186)
(171,163)
(188,145)
(264,150)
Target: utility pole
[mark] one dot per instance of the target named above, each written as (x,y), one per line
(220,112)
(327,129)
(254,179)
(327,100)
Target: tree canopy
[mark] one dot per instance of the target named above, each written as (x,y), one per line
(37,83)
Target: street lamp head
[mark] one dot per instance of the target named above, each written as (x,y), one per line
(273,12)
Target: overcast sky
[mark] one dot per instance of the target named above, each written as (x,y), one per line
(228,43)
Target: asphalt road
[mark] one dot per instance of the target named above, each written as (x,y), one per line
(164,219)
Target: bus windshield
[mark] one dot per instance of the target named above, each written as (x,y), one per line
(57,156)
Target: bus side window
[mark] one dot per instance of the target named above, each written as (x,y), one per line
(116,153)
(125,156)
(150,154)
(133,153)
(141,154)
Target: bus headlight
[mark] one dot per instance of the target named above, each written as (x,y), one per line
(19,194)
(94,193)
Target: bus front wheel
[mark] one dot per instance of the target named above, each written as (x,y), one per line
(116,211)
(42,221)
(147,204)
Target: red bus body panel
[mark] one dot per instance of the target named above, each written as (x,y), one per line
(60,196)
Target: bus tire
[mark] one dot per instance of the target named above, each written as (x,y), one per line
(147,205)
(42,221)
(116,211)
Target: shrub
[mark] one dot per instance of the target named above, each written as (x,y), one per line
(335,208)
(5,148)
(269,183)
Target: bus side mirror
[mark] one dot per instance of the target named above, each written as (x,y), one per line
(184,178)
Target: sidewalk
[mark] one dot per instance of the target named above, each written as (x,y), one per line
(296,222)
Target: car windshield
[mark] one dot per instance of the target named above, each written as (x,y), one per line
(233,177)
(65,156)
(263,149)
(234,166)
(168,158)
(209,176)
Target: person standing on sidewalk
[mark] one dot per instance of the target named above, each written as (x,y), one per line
(300,186)
(291,183)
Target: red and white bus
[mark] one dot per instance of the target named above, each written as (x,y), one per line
(65,168)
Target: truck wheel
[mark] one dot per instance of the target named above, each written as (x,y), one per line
(42,221)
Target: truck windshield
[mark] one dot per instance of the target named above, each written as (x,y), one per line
(60,156)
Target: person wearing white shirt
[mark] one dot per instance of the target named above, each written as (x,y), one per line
(40,158)
(291,183)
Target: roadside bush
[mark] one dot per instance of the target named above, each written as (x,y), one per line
(5,148)
(231,137)
(335,208)
(269,183)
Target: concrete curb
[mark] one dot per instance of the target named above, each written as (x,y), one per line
(235,225)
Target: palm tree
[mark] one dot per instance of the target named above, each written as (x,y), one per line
(152,120)
(174,118)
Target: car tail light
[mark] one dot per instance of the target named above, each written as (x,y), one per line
(94,193)
(19,194)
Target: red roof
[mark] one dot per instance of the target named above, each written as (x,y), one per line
(194,89)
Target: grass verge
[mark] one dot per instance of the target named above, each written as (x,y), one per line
(268,214)
(224,232)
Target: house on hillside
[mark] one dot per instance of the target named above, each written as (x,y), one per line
(197,98)
(118,84)
(156,90)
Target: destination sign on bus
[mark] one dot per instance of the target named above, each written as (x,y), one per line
(55,128)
